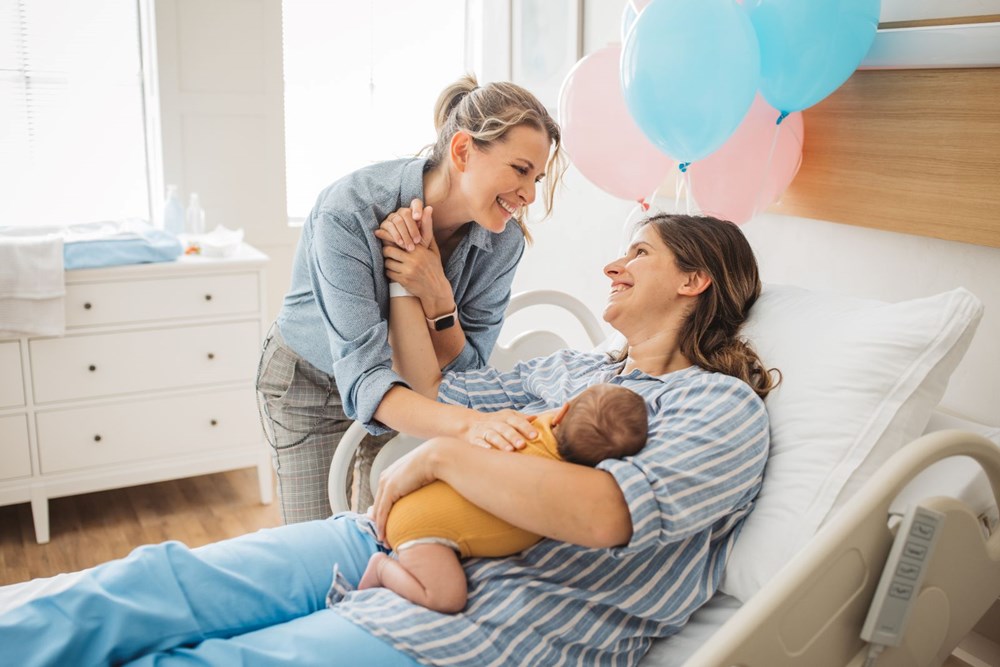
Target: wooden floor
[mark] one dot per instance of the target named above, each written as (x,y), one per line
(92,528)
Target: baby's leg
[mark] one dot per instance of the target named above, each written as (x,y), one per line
(426,574)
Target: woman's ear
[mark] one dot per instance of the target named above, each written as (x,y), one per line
(696,283)
(461,146)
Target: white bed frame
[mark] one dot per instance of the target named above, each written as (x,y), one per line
(811,613)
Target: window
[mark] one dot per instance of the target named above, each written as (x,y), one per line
(72,139)
(361,79)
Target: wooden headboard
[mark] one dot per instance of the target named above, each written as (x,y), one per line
(913,151)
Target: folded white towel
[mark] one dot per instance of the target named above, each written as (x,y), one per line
(31,267)
(32,317)
(32,286)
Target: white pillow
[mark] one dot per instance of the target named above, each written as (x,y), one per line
(861,378)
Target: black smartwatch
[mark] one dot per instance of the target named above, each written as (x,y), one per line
(446,321)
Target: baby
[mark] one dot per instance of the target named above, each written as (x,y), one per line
(431,528)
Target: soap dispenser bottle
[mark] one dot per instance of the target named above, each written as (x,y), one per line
(173,212)
(195,219)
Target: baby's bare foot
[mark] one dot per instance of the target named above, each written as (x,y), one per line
(370,578)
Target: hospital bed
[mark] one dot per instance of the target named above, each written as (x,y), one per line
(811,612)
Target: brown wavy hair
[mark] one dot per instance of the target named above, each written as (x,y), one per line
(709,335)
(487,113)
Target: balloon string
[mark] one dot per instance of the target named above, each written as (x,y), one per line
(631,219)
(683,185)
(767,166)
(652,198)
(688,193)
(678,184)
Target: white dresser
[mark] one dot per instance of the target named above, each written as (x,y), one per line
(153,380)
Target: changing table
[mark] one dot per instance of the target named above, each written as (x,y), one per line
(153,380)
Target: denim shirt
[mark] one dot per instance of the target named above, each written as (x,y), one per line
(335,314)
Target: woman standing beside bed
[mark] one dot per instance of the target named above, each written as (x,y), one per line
(631,549)
(327,361)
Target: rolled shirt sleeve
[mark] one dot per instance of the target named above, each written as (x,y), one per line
(702,463)
(487,389)
(356,326)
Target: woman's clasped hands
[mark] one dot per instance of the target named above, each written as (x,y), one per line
(412,257)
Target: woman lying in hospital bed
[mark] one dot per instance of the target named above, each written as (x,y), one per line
(632,546)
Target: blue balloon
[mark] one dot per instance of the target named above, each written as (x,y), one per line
(808,48)
(690,70)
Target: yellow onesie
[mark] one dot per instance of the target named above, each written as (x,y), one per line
(437,513)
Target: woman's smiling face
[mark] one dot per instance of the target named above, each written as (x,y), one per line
(501,179)
(644,282)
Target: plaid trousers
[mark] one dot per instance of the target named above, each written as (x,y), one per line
(304,420)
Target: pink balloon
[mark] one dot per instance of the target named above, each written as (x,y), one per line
(731,183)
(599,134)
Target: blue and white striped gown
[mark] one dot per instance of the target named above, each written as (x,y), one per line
(688,492)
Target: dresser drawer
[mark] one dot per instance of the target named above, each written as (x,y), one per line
(123,363)
(149,429)
(11,382)
(15,459)
(90,304)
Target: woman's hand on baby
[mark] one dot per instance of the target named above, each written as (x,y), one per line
(408,227)
(505,430)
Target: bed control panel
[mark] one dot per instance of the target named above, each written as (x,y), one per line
(902,576)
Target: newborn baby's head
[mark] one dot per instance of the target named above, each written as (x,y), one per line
(604,421)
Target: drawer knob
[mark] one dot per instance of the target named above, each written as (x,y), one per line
(215,422)
(92,368)
(97,438)
(211,355)
(87,306)
(208,297)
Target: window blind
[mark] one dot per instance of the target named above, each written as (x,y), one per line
(72,142)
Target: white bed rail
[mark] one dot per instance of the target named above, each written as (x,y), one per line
(811,613)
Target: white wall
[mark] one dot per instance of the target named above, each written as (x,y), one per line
(220,78)
(585,232)
(222,118)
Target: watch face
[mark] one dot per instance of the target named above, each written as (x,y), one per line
(442,323)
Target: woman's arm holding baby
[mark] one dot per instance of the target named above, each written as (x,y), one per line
(579,504)
(582,505)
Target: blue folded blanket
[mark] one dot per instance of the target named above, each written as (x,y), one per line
(97,244)
(149,245)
